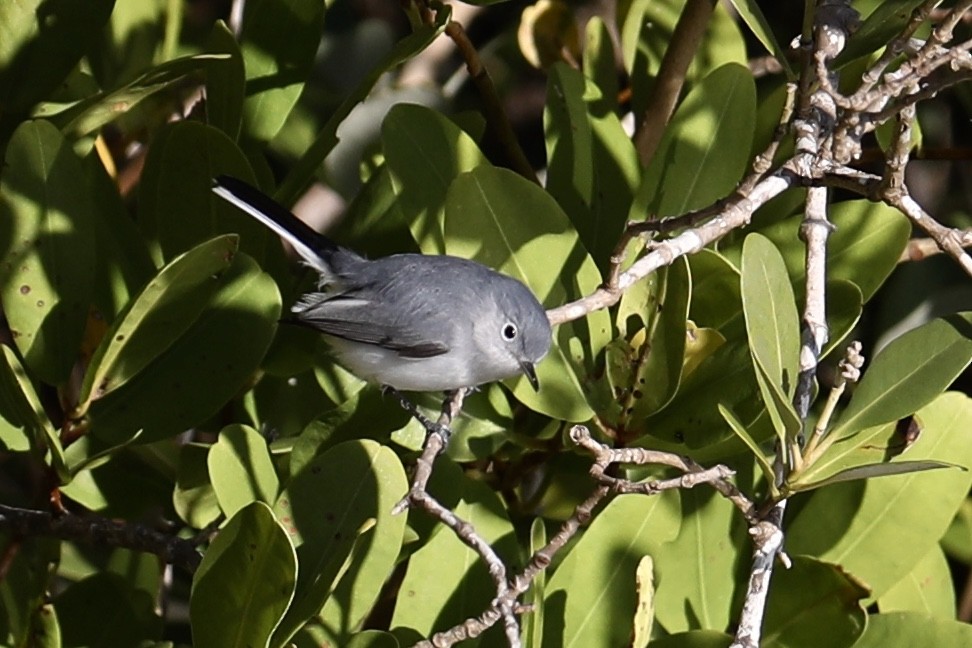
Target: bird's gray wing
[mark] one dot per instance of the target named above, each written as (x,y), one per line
(358,320)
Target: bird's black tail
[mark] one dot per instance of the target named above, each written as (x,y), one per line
(314,248)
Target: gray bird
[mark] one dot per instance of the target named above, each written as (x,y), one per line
(408,321)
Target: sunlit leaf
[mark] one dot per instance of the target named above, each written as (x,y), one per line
(879,529)
(245,582)
(908,373)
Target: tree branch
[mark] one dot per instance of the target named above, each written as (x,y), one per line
(100,531)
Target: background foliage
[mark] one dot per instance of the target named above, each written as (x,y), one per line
(147,388)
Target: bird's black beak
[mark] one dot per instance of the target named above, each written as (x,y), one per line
(531,374)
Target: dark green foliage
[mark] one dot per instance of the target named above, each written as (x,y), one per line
(146,377)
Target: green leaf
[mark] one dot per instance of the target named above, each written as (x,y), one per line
(128,486)
(40,42)
(593,169)
(781,411)
(643,372)
(23,400)
(716,291)
(446,582)
(927,588)
(753,16)
(20,424)
(372,639)
(877,30)
(193,497)
(770,311)
(425,151)
(956,541)
(595,586)
(304,169)
(570,152)
(864,527)
(646,31)
(123,265)
(141,571)
(694,639)
(374,224)
(47,249)
(666,348)
(80,118)
(845,305)
(203,369)
(533,620)
(705,149)
(600,65)
(225,82)
(176,203)
(164,310)
(129,43)
(740,430)
(245,582)
(809,596)
(508,223)
(326,507)
(913,629)
(908,373)
(696,570)
(772,326)
(869,471)
(241,470)
(692,423)
(278,41)
(479,429)
(367,413)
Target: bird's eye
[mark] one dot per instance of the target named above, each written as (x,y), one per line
(509,331)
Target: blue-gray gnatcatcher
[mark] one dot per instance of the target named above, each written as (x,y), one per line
(408,321)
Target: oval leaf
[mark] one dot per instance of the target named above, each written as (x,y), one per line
(245,582)
(161,313)
(203,369)
(241,470)
(176,204)
(811,595)
(279,41)
(326,507)
(425,151)
(705,149)
(927,588)
(908,373)
(40,42)
(880,532)
(769,307)
(48,249)
(225,82)
(597,579)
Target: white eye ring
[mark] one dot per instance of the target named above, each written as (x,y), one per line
(509,331)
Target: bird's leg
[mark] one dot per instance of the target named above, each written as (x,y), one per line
(430,426)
